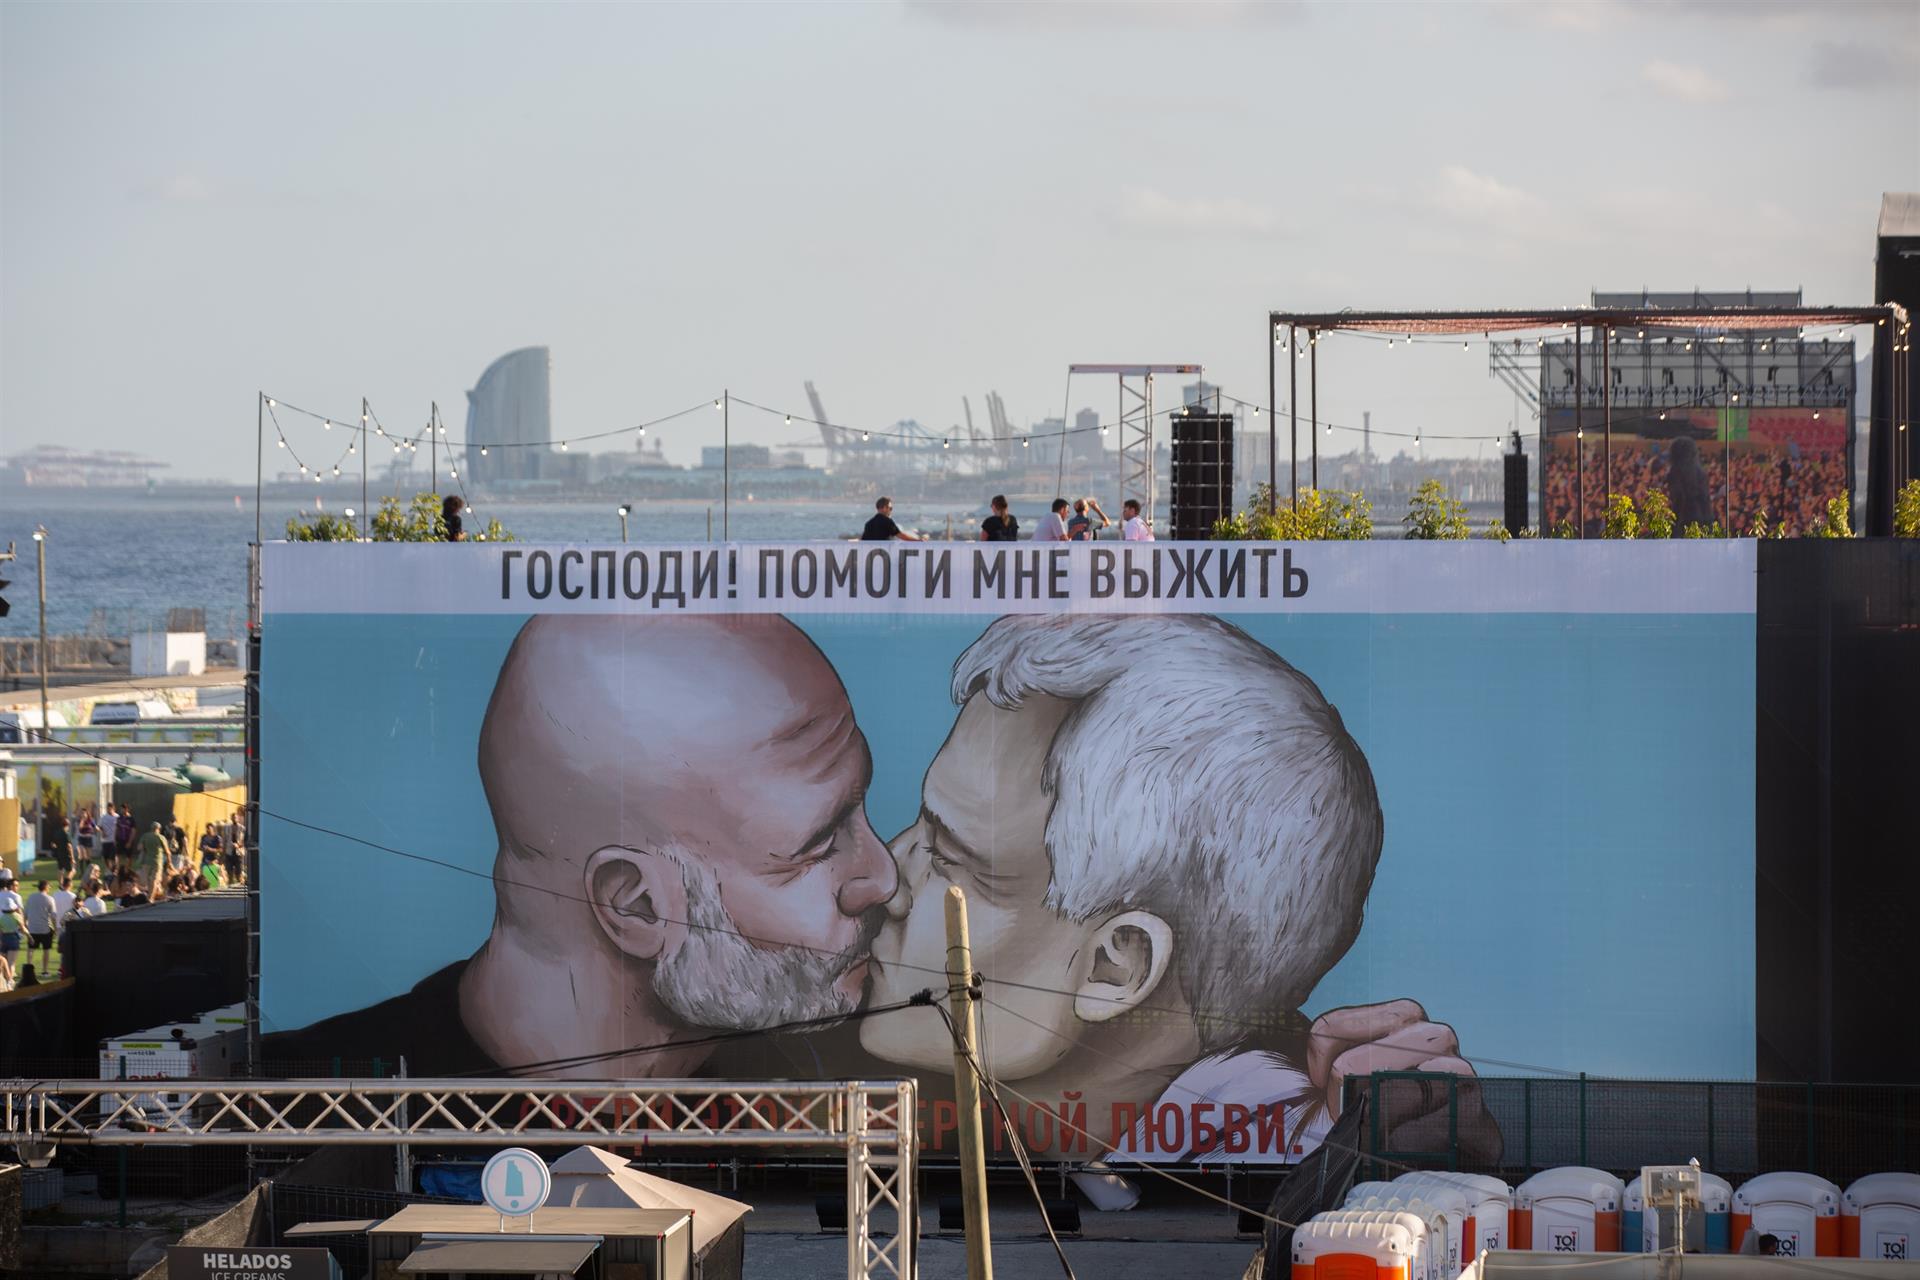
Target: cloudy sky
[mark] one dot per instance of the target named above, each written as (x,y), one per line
(906,203)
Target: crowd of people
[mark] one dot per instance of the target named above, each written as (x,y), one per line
(1064,522)
(1779,480)
(105,861)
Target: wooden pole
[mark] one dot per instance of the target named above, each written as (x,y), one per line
(966,1051)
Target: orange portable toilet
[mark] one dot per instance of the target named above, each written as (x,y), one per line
(1345,1245)
(1880,1217)
(1801,1210)
(1489,1202)
(1568,1210)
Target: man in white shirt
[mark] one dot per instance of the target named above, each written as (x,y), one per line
(1132,527)
(12,925)
(40,918)
(1053,525)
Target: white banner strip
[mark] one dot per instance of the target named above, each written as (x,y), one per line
(1550,576)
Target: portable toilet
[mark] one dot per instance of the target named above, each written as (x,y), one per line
(1344,1245)
(1568,1210)
(1801,1210)
(1489,1201)
(1880,1217)
(1442,1256)
(1454,1208)
(1716,1216)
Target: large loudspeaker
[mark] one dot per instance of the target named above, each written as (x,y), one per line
(1202,488)
(1515,493)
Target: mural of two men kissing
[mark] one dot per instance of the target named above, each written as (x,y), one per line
(1165,833)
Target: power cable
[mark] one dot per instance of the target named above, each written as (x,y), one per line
(1298,1021)
(695,1042)
(1013,1134)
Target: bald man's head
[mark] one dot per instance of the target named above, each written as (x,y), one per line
(722,743)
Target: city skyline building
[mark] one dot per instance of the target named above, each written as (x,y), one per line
(510,417)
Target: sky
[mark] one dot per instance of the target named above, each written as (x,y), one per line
(906,203)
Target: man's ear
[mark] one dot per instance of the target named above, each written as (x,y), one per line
(1127,956)
(638,899)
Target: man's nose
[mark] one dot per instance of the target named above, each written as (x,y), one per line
(870,877)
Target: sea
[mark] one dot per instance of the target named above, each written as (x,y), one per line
(118,560)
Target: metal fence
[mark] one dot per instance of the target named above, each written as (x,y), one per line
(1736,1128)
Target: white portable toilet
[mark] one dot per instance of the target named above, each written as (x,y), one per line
(1489,1202)
(1442,1258)
(1568,1210)
(1641,1231)
(1880,1217)
(1801,1210)
(1345,1244)
(1453,1208)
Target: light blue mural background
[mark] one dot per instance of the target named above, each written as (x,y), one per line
(1568,870)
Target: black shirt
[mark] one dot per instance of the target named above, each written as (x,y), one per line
(423,1026)
(1001,528)
(453,524)
(880,529)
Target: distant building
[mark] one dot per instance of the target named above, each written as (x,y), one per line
(510,416)
(755,456)
(49,466)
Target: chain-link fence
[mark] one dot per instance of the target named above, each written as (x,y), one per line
(1515,1126)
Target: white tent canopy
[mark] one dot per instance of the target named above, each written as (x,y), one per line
(589,1178)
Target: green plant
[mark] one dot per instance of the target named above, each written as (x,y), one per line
(1433,516)
(421,522)
(1621,522)
(1656,515)
(1315,515)
(1563,529)
(1906,510)
(1698,530)
(1758,529)
(1497,531)
(323,527)
(1839,521)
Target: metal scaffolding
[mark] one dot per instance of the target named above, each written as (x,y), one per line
(872,1121)
(1138,478)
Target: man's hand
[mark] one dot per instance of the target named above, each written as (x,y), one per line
(1397,1036)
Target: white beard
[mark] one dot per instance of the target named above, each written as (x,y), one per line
(716,978)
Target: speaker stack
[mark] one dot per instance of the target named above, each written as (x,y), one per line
(1202,488)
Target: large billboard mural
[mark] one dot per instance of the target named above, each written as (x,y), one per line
(1234,822)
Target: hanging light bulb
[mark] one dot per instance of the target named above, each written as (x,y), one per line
(865,436)
(1389,344)
(944,443)
(1416,439)
(283,442)
(1816,415)
(380,431)
(316,478)
(563,446)
(1025,441)
(1463,344)
(269,402)
(1663,415)
(789,421)
(1328,431)
(353,448)
(483,451)
(303,468)
(454,474)
(336,470)
(327,425)
(643,431)
(1103,428)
